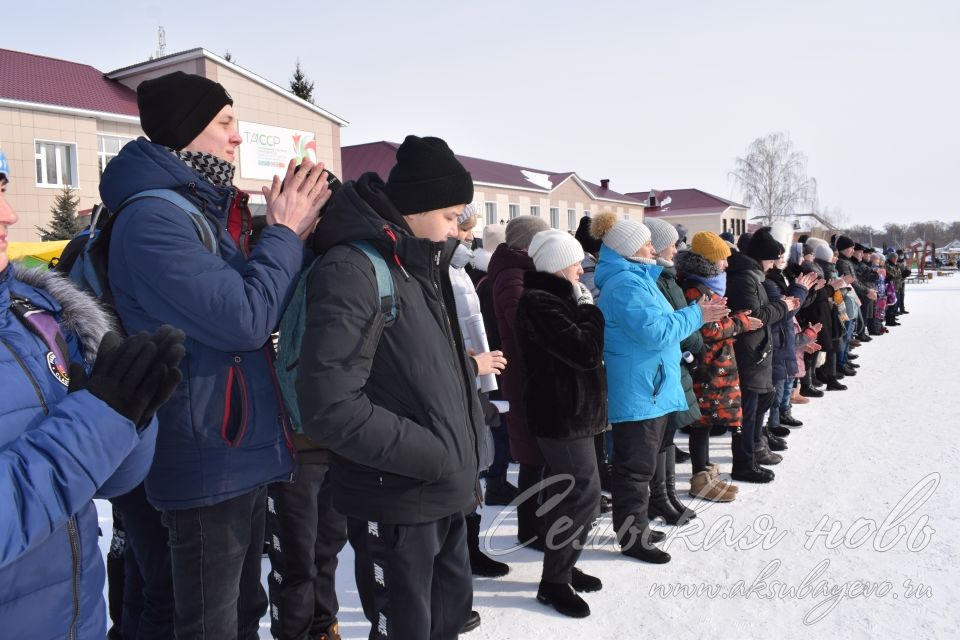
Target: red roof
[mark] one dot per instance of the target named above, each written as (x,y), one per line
(32,78)
(381,156)
(683,202)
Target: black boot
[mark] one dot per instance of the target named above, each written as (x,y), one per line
(810,392)
(686,513)
(773,442)
(472,623)
(659,505)
(787,420)
(833,385)
(680,455)
(584,583)
(481,564)
(499,492)
(645,551)
(563,598)
(752,473)
(779,431)
(529,526)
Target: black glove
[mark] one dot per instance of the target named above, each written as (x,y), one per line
(134,376)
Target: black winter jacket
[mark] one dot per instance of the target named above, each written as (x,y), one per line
(561,343)
(754,349)
(400,415)
(667,283)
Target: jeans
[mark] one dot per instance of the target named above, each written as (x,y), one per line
(147,580)
(215,556)
(782,390)
(849,326)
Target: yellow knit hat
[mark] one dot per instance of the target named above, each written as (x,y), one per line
(710,246)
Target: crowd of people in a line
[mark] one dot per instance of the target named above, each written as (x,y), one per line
(415,364)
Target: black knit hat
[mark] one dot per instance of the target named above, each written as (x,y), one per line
(427,176)
(763,246)
(843,242)
(587,241)
(175,108)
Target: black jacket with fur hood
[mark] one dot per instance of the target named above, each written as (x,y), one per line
(565,391)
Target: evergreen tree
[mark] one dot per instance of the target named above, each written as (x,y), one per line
(300,85)
(64,224)
(228,56)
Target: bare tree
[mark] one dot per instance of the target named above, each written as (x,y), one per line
(773,178)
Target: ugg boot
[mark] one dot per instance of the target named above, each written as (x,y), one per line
(703,486)
(481,564)
(659,505)
(797,398)
(563,598)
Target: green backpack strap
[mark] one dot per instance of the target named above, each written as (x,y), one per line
(385,287)
(294,322)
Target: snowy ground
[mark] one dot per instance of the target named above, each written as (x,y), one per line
(865,470)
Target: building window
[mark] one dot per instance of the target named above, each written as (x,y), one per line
(514,211)
(56,164)
(491,211)
(535,211)
(587,212)
(571,218)
(724,221)
(107,149)
(555,217)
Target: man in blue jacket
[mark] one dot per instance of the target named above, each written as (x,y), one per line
(224,436)
(68,433)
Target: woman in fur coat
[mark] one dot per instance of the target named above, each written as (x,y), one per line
(560,335)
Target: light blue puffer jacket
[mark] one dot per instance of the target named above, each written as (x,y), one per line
(641,339)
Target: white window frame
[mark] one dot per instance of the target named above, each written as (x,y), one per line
(555,217)
(490,208)
(535,210)
(43,179)
(103,157)
(572,218)
(514,210)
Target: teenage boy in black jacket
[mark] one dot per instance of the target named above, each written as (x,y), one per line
(396,405)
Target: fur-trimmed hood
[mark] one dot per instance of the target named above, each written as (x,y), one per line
(80,313)
(694,264)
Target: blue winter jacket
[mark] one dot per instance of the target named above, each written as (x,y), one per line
(57,452)
(223,433)
(641,339)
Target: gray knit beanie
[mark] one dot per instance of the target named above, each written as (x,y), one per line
(623,236)
(520,231)
(662,233)
(554,250)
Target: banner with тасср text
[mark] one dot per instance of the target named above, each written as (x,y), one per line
(266,150)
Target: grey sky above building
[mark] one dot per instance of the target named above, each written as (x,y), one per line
(647,94)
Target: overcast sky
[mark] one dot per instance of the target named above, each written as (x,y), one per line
(648,94)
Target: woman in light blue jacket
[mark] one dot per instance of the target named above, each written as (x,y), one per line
(642,356)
